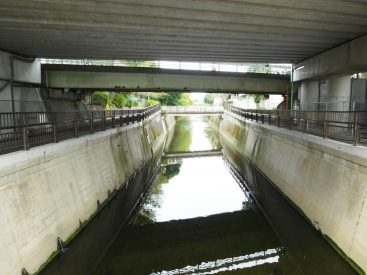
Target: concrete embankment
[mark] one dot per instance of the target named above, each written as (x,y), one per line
(48,192)
(169,122)
(326,180)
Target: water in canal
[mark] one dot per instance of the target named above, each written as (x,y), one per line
(200,215)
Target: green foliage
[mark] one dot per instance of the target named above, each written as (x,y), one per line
(151,102)
(186,100)
(258,98)
(259,68)
(120,100)
(101,99)
(128,99)
(134,63)
(171,171)
(170,99)
(209,99)
(139,63)
(175,99)
(181,140)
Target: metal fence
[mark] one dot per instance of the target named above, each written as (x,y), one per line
(344,105)
(21,131)
(192,109)
(350,127)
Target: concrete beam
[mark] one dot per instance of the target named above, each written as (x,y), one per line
(348,58)
(152,79)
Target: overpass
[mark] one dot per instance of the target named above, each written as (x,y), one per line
(76,77)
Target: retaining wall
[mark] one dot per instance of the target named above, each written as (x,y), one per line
(45,193)
(325,179)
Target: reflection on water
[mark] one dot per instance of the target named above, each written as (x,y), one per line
(193,134)
(229,264)
(195,191)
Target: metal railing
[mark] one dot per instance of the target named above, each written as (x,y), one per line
(342,105)
(350,127)
(192,109)
(21,131)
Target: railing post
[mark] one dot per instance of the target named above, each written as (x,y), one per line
(92,122)
(113,119)
(262,118)
(25,133)
(305,126)
(278,120)
(325,128)
(356,129)
(25,138)
(54,129)
(103,120)
(269,117)
(76,125)
(290,120)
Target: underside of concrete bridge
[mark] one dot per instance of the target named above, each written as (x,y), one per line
(279,31)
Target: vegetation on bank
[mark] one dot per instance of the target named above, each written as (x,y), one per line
(128,99)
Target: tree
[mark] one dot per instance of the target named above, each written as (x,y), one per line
(186,100)
(120,100)
(258,99)
(171,99)
(101,99)
(209,99)
(260,68)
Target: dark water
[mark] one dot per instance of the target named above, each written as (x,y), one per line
(202,215)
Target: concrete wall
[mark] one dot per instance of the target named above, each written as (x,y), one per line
(26,98)
(308,94)
(47,191)
(326,179)
(23,71)
(333,93)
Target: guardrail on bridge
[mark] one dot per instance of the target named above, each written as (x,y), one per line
(350,127)
(23,130)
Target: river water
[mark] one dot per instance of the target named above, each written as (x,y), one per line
(212,214)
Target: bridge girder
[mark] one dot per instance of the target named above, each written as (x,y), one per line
(160,80)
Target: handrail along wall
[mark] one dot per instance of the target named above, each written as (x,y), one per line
(23,130)
(346,126)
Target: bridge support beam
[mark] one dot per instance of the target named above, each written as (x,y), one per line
(153,79)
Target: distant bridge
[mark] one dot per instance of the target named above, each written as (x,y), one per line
(193,110)
(78,77)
